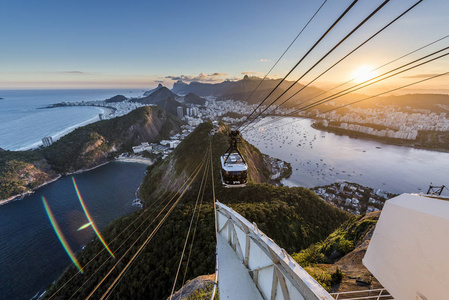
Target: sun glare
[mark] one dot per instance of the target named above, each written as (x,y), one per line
(363,74)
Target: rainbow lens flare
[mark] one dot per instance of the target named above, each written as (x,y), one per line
(60,236)
(97,232)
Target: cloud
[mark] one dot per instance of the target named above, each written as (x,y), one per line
(420,76)
(264,60)
(159,81)
(201,77)
(73,72)
(253,73)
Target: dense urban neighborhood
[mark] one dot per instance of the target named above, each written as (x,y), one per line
(353,197)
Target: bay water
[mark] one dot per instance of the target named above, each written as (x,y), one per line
(320,158)
(31,256)
(23,123)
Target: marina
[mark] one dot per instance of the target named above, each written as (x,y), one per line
(319,158)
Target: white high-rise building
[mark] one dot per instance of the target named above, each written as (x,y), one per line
(47,141)
(180,112)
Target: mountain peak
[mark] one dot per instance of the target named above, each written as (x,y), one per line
(147,93)
(246,77)
(180,87)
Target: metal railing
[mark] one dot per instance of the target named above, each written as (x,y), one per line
(376,294)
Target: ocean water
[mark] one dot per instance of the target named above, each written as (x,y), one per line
(320,158)
(31,256)
(23,124)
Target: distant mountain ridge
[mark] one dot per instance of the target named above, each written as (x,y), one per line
(431,102)
(242,89)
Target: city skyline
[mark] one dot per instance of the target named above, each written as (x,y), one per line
(138,45)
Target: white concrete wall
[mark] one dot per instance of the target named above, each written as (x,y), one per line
(409,250)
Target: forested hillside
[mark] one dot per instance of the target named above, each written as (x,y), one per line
(336,262)
(294,217)
(83,148)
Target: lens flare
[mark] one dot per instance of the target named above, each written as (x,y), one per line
(60,236)
(97,232)
(84,226)
(363,73)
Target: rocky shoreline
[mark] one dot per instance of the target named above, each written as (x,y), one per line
(27,193)
(142,160)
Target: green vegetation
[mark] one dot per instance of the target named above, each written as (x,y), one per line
(98,142)
(12,183)
(294,217)
(326,275)
(24,156)
(372,125)
(319,258)
(21,171)
(204,294)
(339,243)
(231,114)
(430,140)
(83,148)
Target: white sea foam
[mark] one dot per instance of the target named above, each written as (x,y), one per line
(61,133)
(23,125)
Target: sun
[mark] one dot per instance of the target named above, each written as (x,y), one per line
(363,74)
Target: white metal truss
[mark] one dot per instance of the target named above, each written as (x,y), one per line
(275,274)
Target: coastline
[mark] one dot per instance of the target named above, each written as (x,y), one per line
(56,136)
(413,144)
(27,193)
(86,170)
(142,160)
(387,141)
(145,161)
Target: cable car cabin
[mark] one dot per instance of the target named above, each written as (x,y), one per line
(234,170)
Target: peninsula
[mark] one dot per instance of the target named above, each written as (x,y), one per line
(84,148)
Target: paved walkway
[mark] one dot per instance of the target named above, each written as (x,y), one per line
(234,281)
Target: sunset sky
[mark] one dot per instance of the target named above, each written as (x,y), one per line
(138,44)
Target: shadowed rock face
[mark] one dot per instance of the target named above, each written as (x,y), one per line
(194,99)
(147,93)
(158,96)
(162,97)
(203,284)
